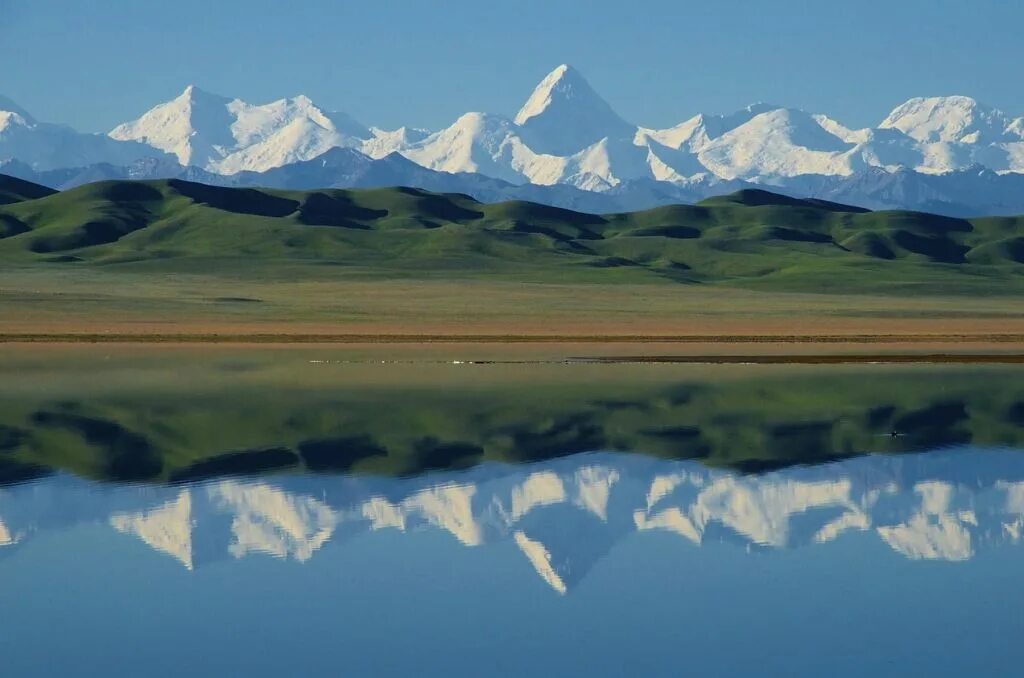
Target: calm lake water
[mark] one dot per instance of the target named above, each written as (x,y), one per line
(318,512)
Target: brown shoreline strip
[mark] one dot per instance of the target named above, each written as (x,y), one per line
(973,358)
(286,338)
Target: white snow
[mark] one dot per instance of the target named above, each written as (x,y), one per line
(564,115)
(955,119)
(229,135)
(783,142)
(564,133)
(46,146)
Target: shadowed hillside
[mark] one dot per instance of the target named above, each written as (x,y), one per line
(749,238)
(16,190)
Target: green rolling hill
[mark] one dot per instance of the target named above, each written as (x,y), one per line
(751,238)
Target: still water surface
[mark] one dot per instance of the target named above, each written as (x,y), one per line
(267,514)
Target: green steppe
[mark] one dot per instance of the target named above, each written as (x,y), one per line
(172,251)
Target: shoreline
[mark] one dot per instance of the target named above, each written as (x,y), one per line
(317,338)
(483,349)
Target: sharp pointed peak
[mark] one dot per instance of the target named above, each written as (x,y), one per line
(195,93)
(563,86)
(564,71)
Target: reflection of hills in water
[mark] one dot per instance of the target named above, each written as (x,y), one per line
(564,515)
(166,424)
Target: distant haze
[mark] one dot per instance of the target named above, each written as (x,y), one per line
(657,62)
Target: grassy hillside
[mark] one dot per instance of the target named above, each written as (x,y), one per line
(752,239)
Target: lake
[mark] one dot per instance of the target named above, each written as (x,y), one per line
(374,511)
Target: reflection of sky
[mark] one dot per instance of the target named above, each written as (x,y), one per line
(825,567)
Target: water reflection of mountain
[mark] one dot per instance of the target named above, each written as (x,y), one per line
(564,515)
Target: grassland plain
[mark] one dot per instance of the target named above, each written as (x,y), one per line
(175,413)
(177,259)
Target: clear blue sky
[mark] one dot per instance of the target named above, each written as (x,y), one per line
(421,62)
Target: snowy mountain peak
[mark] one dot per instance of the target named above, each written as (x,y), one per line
(956,119)
(696,132)
(782,142)
(8,106)
(565,81)
(194,96)
(564,134)
(564,115)
(191,126)
(43,146)
(229,135)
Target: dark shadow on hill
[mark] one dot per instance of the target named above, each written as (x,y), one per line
(936,248)
(869,244)
(14,190)
(236,200)
(563,234)
(9,226)
(754,197)
(321,209)
(438,206)
(128,211)
(796,235)
(676,232)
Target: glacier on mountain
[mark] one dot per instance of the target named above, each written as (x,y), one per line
(564,138)
(566,134)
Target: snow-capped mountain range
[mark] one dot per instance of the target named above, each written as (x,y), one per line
(565,135)
(563,515)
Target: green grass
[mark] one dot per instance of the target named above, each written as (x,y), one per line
(175,254)
(750,239)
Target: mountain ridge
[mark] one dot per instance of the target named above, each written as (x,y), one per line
(752,237)
(564,135)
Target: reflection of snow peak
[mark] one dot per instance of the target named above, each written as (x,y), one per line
(6,539)
(933,533)
(167,528)
(540,558)
(270,521)
(564,515)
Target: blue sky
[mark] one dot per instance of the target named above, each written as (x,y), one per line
(422,63)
